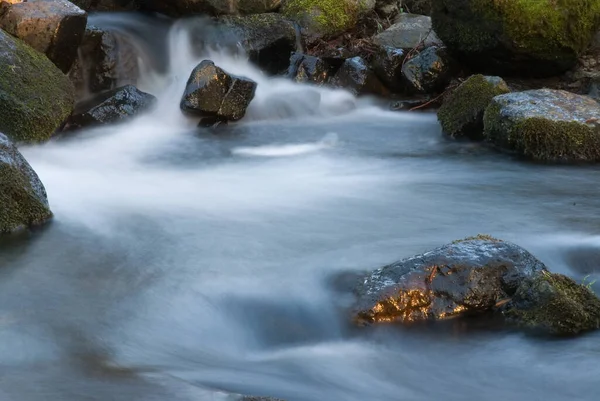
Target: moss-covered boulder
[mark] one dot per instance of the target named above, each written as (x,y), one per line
(35,96)
(545,125)
(461,114)
(22,194)
(555,304)
(320,18)
(532,37)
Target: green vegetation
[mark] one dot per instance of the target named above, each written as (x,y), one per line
(328,17)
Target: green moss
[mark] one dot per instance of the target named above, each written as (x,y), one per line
(20,205)
(329,16)
(35,96)
(478,237)
(462,113)
(556,304)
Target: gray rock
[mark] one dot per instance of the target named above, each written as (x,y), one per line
(111,107)
(545,125)
(356,76)
(22,194)
(466,277)
(53,27)
(308,69)
(430,71)
(178,8)
(213,93)
(409,31)
(387,64)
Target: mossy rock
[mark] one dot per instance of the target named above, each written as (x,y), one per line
(545,125)
(320,18)
(461,115)
(526,37)
(22,194)
(555,304)
(35,96)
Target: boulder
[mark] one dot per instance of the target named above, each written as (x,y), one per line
(22,194)
(466,277)
(387,65)
(35,96)
(545,125)
(53,27)
(308,69)
(111,107)
(178,8)
(408,32)
(430,71)
(461,114)
(108,5)
(322,18)
(213,93)
(524,37)
(356,76)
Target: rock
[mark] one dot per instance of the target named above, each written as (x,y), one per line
(53,27)
(22,194)
(545,125)
(416,6)
(387,8)
(35,96)
(268,39)
(466,277)
(211,92)
(535,38)
(178,8)
(308,69)
(322,18)
(408,32)
(110,107)
(387,65)
(555,304)
(356,76)
(419,102)
(461,114)
(430,71)
(106,61)
(108,5)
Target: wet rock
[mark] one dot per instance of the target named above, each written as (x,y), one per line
(308,69)
(408,32)
(387,64)
(106,61)
(268,39)
(416,6)
(178,8)
(466,277)
(108,5)
(507,37)
(212,92)
(430,71)
(356,76)
(545,125)
(35,96)
(461,114)
(555,304)
(53,27)
(110,107)
(22,194)
(410,103)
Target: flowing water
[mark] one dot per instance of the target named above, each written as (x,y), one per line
(185,265)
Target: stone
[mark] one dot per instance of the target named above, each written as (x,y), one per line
(179,8)
(465,278)
(519,37)
(387,65)
(461,114)
(409,31)
(108,5)
(308,69)
(35,96)
(356,76)
(416,6)
(545,125)
(212,92)
(111,107)
(430,71)
(22,194)
(53,27)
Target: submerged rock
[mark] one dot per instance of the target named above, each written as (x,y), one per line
(466,277)
(111,107)
(53,27)
(461,114)
(408,32)
(35,96)
(545,125)
(537,38)
(179,8)
(211,92)
(308,69)
(430,71)
(356,76)
(22,194)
